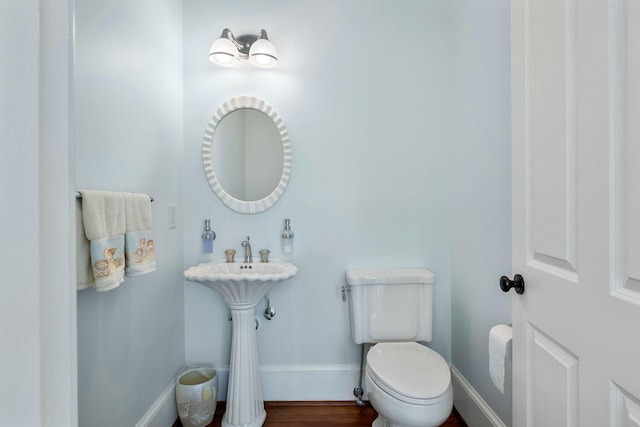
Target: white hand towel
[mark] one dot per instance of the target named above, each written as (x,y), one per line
(84,272)
(103,216)
(139,246)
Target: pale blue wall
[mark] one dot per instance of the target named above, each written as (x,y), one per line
(398,118)
(481,190)
(365,90)
(128,87)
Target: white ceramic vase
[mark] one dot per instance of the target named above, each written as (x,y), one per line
(196,396)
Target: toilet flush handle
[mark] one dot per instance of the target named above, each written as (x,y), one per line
(345,289)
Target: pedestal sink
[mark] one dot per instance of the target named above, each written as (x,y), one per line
(242,285)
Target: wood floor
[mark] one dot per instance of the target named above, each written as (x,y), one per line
(319,414)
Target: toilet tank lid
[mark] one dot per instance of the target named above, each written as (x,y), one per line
(389,276)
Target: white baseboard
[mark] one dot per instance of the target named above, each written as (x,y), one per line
(279,382)
(470,404)
(309,382)
(319,382)
(301,382)
(163,412)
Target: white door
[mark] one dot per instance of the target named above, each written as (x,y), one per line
(576,212)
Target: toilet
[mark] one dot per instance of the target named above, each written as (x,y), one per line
(409,385)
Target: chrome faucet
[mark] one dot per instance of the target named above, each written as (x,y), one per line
(247,250)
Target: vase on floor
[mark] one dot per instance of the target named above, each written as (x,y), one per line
(196,396)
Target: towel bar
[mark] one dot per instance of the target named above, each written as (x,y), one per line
(79,196)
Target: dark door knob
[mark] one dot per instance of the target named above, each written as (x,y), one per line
(517,283)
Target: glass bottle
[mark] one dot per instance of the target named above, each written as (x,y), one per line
(208,237)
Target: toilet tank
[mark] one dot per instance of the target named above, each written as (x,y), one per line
(390,305)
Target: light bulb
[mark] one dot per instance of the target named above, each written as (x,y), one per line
(222,58)
(223,52)
(262,59)
(263,53)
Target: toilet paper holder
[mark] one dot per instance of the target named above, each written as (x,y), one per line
(517,283)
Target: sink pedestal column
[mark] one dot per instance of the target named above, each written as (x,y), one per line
(245,407)
(242,285)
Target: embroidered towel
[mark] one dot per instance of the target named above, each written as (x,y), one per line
(103,216)
(139,251)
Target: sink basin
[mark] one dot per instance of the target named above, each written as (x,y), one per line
(241,284)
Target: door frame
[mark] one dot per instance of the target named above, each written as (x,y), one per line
(58,337)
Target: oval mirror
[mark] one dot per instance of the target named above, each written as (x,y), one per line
(246,155)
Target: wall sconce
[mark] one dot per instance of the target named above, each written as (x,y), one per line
(228,50)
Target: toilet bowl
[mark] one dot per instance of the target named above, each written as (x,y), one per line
(409,385)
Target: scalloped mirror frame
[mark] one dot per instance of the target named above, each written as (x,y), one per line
(242,206)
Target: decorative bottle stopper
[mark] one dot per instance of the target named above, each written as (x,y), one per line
(287,237)
(208,237)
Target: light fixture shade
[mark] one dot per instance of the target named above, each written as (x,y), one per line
(263,53)
(224,52)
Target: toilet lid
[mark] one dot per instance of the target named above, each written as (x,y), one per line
(409,369)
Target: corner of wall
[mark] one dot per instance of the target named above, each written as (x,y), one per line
(470,404)
(163,412)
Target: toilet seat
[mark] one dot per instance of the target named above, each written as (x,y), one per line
(409,372)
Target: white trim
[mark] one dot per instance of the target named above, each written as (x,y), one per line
(163,412)
(279,382)
(58,347)
(309,382)
(300,382)
(471,406)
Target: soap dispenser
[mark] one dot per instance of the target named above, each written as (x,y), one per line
(208,236)
(287,237)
